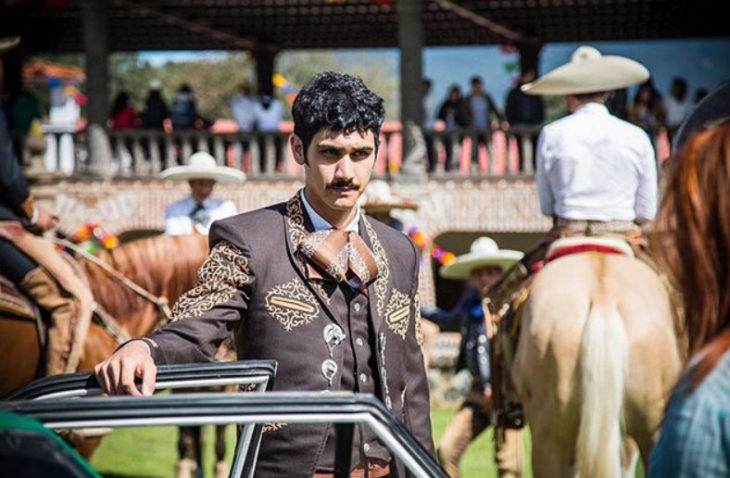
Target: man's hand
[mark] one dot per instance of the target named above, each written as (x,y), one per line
(46,220)
(117,374)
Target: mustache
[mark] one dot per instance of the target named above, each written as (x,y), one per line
(343,184)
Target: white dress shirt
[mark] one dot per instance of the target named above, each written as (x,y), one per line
(179,223)
(594,166)
(243,108)
(320,223)
(677,110)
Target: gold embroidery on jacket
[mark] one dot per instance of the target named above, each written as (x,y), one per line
(223,272)
(381,283)
(292,304)
(398,312)
(417,312)
(273,426)
(295,221)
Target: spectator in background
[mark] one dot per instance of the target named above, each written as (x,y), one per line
(453,112)
(524,111)
(123,115)
(693,249)
(483,117)
(268,113)
(678,104)
(427,124)
(647,110)
(155,109)
(243,107)
(24,109)
(184,112)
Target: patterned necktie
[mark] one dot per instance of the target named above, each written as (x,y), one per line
(339,255)
(200,215)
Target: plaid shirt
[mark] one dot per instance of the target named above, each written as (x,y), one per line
(695,437)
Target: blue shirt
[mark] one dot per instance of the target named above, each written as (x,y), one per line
(695,437)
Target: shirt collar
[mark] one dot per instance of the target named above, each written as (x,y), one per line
(320,223)
(592,107)
(208,203)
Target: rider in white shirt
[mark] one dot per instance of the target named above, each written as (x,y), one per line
(195,213)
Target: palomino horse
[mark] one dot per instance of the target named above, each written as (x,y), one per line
(163,265)
(596,360)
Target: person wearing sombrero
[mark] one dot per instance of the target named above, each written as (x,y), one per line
(596,173)
(196,212)
(481,266)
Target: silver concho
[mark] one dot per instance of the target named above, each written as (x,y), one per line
(329,370)
(333,336)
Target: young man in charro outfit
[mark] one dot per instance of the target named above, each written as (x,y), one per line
(32,264)
(313,283)
(596,175)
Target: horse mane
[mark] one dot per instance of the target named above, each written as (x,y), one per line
(162,265)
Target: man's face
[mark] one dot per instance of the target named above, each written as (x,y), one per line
(201,189)
(337,168)
(476,87)
(485,277)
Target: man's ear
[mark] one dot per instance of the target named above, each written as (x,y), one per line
(297,148)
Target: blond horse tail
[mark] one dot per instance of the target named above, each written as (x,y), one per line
(603,359)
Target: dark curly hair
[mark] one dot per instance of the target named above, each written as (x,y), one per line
(338,102)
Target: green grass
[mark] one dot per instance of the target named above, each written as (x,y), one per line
(152,452)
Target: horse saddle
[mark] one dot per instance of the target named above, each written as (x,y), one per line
(578,244)
(15,303)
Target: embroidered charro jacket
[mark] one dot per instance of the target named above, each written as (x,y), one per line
(255,284)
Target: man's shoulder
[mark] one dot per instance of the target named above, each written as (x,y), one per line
(178,206)
(248,228)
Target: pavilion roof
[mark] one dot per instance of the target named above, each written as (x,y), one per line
(55,25)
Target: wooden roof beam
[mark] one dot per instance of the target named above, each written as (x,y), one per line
(484,22)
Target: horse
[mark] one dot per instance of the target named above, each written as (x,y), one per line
(597,356)
(157,264)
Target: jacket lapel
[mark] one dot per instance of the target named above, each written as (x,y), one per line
(296,226)
(378,289)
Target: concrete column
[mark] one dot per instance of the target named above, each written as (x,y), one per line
(12,72)
(410,40)
(95,26)
(529,56)
(265,70)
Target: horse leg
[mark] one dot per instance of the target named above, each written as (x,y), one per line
(187,444)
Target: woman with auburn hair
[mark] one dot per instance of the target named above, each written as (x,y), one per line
(694,221)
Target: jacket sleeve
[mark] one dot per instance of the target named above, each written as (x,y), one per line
(15,192)
(416,402)
(204,316)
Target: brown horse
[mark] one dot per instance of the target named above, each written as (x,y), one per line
(163,265)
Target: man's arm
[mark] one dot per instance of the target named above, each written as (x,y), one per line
(202,318)
(416,398)
(646,194)
(547,201)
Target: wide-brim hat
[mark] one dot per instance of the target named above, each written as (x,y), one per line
(203,166)
(589,72)
(711,109)
(8,43)
(378,197)
(483,252)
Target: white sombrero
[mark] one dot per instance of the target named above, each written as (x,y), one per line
(378,197)
(203,166)
(588,72)
(483,252)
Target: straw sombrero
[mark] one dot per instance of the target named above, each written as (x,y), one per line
(589,72)
(378,197)
(203,166)
(483,252)
(8,43)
